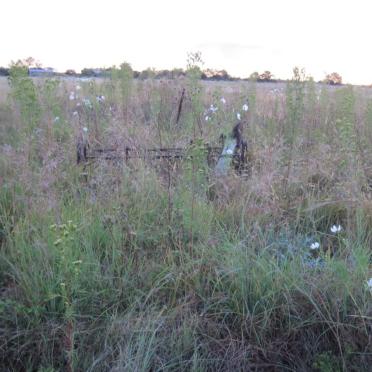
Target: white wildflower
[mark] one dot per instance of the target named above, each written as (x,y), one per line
(56,119)
(87,102)
(75,113)
(72,96)
(78,87)
(100,98)
(85,129)
(78,104)
(223,100)
(314,246)
(229,152)
(213,108)
(369,283)
(245,107)
(336,229)
(238,116)
(207,118)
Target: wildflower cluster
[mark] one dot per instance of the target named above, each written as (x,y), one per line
(314,246)
(316,257)
(73,94)
(69,269)
(87,103)
(336,229)
(100,99)
(209,113)
(64,232)
(245,108)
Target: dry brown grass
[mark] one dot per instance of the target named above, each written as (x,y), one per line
(159,276)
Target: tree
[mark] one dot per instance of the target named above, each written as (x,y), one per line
(266,76)
(30,62)
(70,72)
(26,63)
(176,73)
(163,74)
(149,73)
(210,74)
(89,72)
(22,66)
(254,76)
(333,79)
(4,71)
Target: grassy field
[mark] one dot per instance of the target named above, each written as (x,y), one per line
(135,266)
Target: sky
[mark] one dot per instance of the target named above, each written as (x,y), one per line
(241,37)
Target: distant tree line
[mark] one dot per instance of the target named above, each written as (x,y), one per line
(4,71)
(209,74)
(333,79)
(265,77)
(150,73)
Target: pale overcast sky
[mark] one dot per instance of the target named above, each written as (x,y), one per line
(240,36)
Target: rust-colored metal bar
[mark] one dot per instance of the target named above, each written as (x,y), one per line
(153,153)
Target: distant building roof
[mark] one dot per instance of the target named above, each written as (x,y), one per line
(38,71)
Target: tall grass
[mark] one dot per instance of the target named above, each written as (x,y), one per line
(132,266)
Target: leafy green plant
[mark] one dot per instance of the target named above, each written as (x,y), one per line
(24,93)
(69,273)
(123,76)
(295,95)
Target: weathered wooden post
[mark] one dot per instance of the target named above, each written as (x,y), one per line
(82,148)
(180,106)
(234,150)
